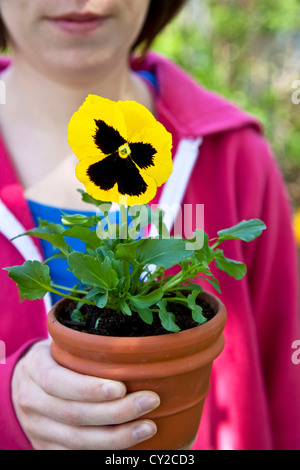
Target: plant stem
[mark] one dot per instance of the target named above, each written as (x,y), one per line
(179,278)
(153,276)
(135,276)
(173,282)
(71,297)
(216,244)
(123,211)
(105,215)
(175,299)
(76,291)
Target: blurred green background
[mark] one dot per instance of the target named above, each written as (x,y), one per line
(249,51)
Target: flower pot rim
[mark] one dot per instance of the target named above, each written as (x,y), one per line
(162,341)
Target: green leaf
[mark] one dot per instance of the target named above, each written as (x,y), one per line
(197,312)
(117,265)
(79,219)
(127,251)
(77,316)
(125,308)
(231,267)
(50,232)
(85,234)
(191,299)
(205,255)
(145,301)
(124,284)
(247,230)
(197,315)
(101,300)
(214,282)
(91,271)
(146,315)
(93,293)
(102,252)
(98,296)
(167,318)
(162,252)
(32,278)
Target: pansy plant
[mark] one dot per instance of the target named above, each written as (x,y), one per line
(124,156)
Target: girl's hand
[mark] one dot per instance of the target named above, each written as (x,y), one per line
(61,409)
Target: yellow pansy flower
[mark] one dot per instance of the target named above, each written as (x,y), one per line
(123,151)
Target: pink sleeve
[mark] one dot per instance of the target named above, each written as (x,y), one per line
(12,436)
(274,284)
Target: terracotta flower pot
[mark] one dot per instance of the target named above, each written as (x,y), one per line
(176,366)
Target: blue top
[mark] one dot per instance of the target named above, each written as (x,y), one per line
(59,272)
(150,77)
(58,267)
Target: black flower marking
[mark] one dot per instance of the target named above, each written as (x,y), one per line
(142,154)
(113,169)
(107,139)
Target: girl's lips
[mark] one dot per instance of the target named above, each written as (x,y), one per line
(78,23)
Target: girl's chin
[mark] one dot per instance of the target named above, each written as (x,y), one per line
(77,64)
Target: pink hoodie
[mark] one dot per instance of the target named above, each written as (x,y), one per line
(225,164)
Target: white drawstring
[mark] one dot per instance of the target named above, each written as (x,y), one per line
(175,188)
(10,227)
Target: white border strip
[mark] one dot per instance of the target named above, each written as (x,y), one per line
(175,188)
(10,227)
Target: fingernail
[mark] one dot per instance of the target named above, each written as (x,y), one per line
(144,431)
(112,391)
(147,403)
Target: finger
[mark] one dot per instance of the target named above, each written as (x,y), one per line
(119,437)
(129,408)
(113,437)
(63,383)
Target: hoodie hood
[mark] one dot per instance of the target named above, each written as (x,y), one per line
(192,109)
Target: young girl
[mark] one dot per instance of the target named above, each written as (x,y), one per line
(60,53)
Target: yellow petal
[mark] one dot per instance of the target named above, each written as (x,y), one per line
(147,196)
(136,117)
(143,127)
(297,226)
(83,166)
(91,188)
(161,140)
(111,195)
(82,126)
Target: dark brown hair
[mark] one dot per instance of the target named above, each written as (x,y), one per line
(3,36)
(160,13)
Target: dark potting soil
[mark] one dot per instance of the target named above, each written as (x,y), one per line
(112,324)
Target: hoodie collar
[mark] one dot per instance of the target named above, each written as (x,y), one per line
(189,107)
